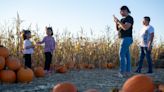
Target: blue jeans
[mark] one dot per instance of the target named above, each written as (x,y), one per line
(125,60)
(144,51)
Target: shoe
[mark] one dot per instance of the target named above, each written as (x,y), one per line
(138,71)
(49,72)
(149,72)
(128,74)
(121,75)
(45,71)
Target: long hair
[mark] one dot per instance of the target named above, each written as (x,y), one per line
(125,8)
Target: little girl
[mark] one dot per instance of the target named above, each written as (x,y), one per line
(49,48)
(28,48)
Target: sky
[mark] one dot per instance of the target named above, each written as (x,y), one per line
(72,15)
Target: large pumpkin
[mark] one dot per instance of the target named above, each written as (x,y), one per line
(2,62)
(7,76)
(13,63)
(39,71)
(138,83)
(25,75)
(65,87)
(4,52)
(161,87)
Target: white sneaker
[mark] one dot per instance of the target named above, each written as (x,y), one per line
(120,75)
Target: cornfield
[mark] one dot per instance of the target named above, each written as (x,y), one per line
(71,50)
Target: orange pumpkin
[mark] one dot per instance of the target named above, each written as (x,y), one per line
(91,66)
(65,87)
(7,76)
(2,62)
(110,65)
(4,52)
(161,87)
(13,63)
(39,72)
(80,66)
(104,65)
(138,83)
(91,90)
(25,75)
(86,65)
(61,69)
(70,65)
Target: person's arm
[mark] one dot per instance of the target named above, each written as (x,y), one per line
(115,20)
(150,40)
(117,27)
(54,43)
(121,25)
(41,42)
(125,26)
(26,45)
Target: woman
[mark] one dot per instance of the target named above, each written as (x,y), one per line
(124,28)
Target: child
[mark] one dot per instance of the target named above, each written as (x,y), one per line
(49,48)
(28,48)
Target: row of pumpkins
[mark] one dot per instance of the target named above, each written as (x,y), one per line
(11,69)
(137,83)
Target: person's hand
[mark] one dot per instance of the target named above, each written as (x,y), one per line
(33,46)
(115,19)
(37,43)
(149,47)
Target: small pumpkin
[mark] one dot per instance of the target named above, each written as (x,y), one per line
(65,87)
(25,75)
(110,65)
(39,71)
(138,83)
(161,87)
(80,66)
(104,65)
(2,62)
(70,65)
(86,65)
(13,63)
(4,52)
(91,66)
(7,76)
(61,69)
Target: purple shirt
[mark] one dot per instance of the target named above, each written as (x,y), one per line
(49,43)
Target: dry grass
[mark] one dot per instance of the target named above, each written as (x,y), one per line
(71,50)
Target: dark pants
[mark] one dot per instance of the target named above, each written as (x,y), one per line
(48,59)
(27,58)
(145,51)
